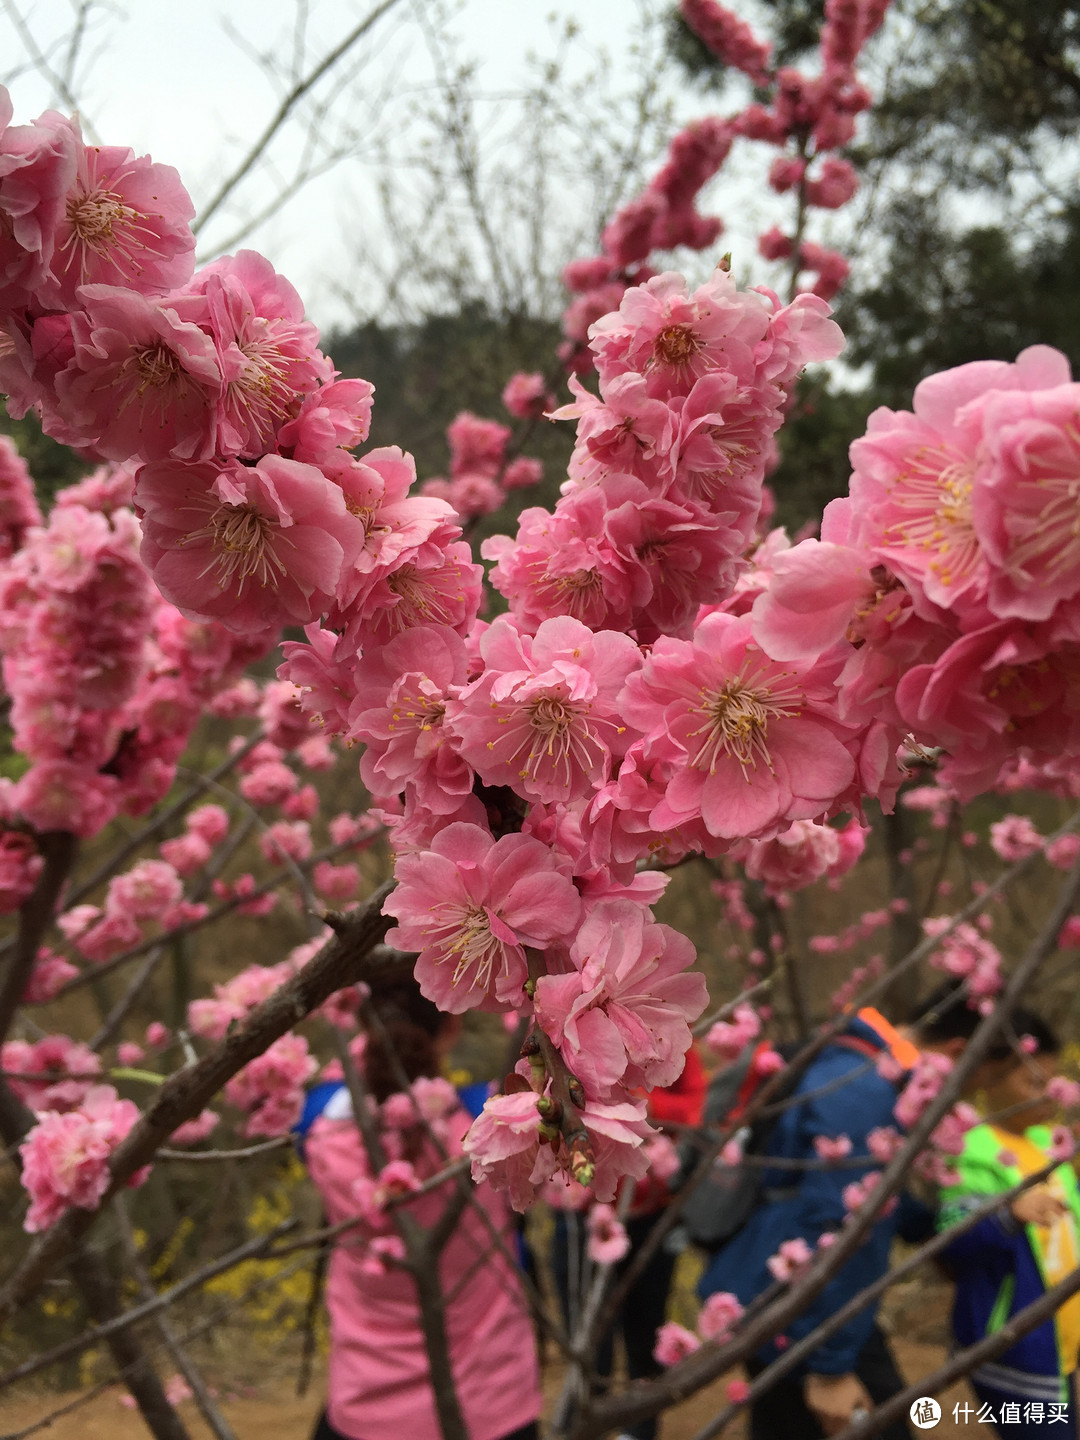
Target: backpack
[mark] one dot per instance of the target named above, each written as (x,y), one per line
(718,1208)
(720,1205)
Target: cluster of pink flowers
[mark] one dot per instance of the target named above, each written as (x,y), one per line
(649,693)
(945,585)
(966,953)
(481,470)
(65,1157)
(806,117)
(716,1321)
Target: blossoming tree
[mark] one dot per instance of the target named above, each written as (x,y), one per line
(663,679)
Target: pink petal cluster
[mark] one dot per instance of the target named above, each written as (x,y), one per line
(622,1015)
(674,1343)
(719,1316)
(729,1038)
(270,1088)
(65,1157)
(607,1241)
(470,905)
(791,1259)
(60,1071)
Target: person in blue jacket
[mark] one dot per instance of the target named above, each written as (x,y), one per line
(844,1095)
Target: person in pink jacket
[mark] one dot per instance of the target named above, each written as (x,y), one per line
(379,1384)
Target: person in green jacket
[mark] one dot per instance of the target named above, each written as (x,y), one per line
(1010,1258)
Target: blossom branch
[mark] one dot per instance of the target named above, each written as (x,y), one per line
(342,961)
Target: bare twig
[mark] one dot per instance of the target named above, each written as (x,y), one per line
(285,109)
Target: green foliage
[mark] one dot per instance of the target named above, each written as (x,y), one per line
(814,444)
(53,466)
(947,299)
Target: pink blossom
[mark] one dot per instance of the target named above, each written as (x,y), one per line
(244,545)
(738,1392)
(786,172)
(914,477)
(830,1150)
(773,244)
(141,381)
(1069,934)
(65,1156)
(542,718)
(791,1259)
(402,692)
(145,891)
(730,1037)
(49,975)
(883,1142)
(335,882)
(18,505)
(754,745)
(925,1081)
(834,185)
(504,1146)
(177,1390)
(1064,851)
(63,795)
(20,866)
(269,1088)
(729,38)
(469,905)
(859,1192)
(1062,1144)
(38,164)
(719,1315)
(125,222)
(476,444)
(769,1062)
(286,839)
(525,396)
(800,855)
(269,783)
(336,414)
(522,472)
(674,337)
(186,853)
(563,563)
(74,1065)
(674,1343)
(608,1241)
(1015,838)
(267,352)
(622,1015)
(1063,1092)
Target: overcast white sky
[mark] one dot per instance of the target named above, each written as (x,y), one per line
(167,79)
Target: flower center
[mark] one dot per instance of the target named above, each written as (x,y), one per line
(578,590)
(474,948)
(935,489)
(419,712)
(156,367)
(675,346)
(242,540)
(418,602)
(93,216)
(737,724)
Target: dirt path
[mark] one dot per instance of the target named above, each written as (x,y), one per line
(276,1414)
